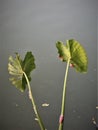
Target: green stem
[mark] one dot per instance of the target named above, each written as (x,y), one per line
(33,103)
(61,120)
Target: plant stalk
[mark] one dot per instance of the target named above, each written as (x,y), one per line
(34,105)
(61,119)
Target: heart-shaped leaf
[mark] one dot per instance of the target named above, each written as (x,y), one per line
(17,67)
(75,53)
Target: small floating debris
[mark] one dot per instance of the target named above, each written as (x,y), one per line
(95,123)
(45,105)
(96,107)
(93,120)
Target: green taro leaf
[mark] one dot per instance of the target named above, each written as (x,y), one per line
(28,65)
(63,51)
(76,55)
(17,67)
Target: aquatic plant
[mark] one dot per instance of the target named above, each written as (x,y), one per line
(75,56)
(20,71)
(72,53)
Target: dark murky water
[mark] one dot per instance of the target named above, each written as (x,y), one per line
(36,26)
